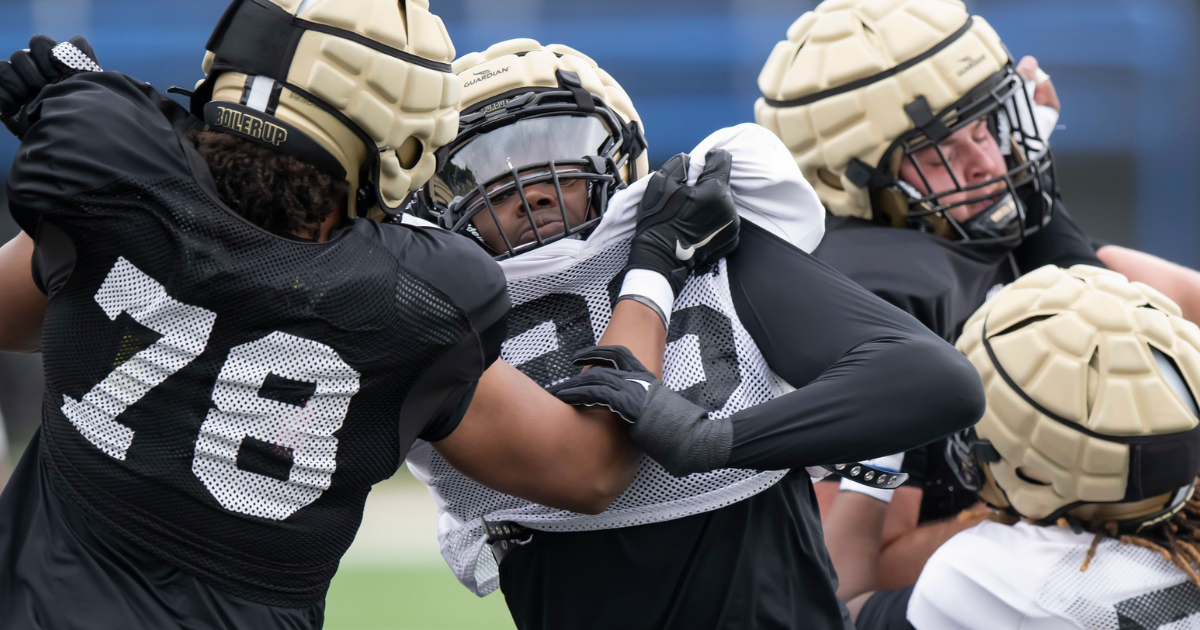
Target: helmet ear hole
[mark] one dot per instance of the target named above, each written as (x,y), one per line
(828,178)
(1021,324)
(1093,380)
(1174,377)
(410,152)
(1026,476)
(894,206)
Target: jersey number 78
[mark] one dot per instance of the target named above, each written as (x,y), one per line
(238,412)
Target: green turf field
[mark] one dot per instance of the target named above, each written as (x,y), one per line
(394,578)
(409,598)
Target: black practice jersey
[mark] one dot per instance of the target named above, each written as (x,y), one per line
(760,562)
(942,283)
(218,395)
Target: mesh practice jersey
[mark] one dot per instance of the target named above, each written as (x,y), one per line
(219,395)
(563,296)
(1026,577)
(942,283)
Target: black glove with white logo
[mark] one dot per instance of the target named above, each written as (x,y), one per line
(681,228)
(45,62)
(672,430)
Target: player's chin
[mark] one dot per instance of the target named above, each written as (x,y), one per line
(550,229)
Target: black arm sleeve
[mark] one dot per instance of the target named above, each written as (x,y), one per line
(886,610)
(475,283)
(1062,242)
(870,379)
(88,131)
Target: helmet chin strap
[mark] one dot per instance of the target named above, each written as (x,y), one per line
(1000,220)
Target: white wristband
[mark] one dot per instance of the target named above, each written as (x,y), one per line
(878,493)
(817,473)
(651,287)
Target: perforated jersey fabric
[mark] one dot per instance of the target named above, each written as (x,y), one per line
(563,295)
(1027,576)
(222,397)
(710,359)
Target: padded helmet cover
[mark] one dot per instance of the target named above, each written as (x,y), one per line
(368,80)
(533,115)
(515,64)
(853,59)
(1091,383)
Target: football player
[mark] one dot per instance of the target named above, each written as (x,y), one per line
(779,362)
(1089,451)
(234,352)
(930,150)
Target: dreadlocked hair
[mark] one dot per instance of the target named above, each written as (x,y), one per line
(1175,540)
(276,192)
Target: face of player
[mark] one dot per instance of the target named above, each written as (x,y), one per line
(547,215)
(974,157)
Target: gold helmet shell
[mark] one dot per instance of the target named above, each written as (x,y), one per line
(1091,385)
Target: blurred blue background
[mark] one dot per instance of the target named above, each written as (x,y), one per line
(1127,71)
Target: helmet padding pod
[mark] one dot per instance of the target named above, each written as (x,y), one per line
(1091,385)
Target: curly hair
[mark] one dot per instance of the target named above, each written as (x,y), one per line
(1175,540)
(276,192)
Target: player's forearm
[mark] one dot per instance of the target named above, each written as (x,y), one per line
(900,562)
(884,397)
(22,305)
(1180,284)
(853,531)
(518,439)
(637,327)
(578,459)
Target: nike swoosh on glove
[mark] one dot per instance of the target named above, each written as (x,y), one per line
(681,228)
(676,433)
(45,62)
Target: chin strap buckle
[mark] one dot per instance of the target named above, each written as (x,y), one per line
(868,475)
(635,142)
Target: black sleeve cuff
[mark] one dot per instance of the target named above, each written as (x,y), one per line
(441,427)
(441,397)
(886,610)
(916,463)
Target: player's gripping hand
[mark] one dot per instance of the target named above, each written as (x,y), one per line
(673,431)
(682,227)
(24,75)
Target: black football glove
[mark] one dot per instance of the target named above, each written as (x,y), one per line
(24,75)
(681,228)
(672,430)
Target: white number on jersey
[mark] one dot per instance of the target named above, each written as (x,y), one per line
(299,430)
(304,431)
(184,329)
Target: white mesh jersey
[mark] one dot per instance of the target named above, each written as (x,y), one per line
(562,298)
(1027,577)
